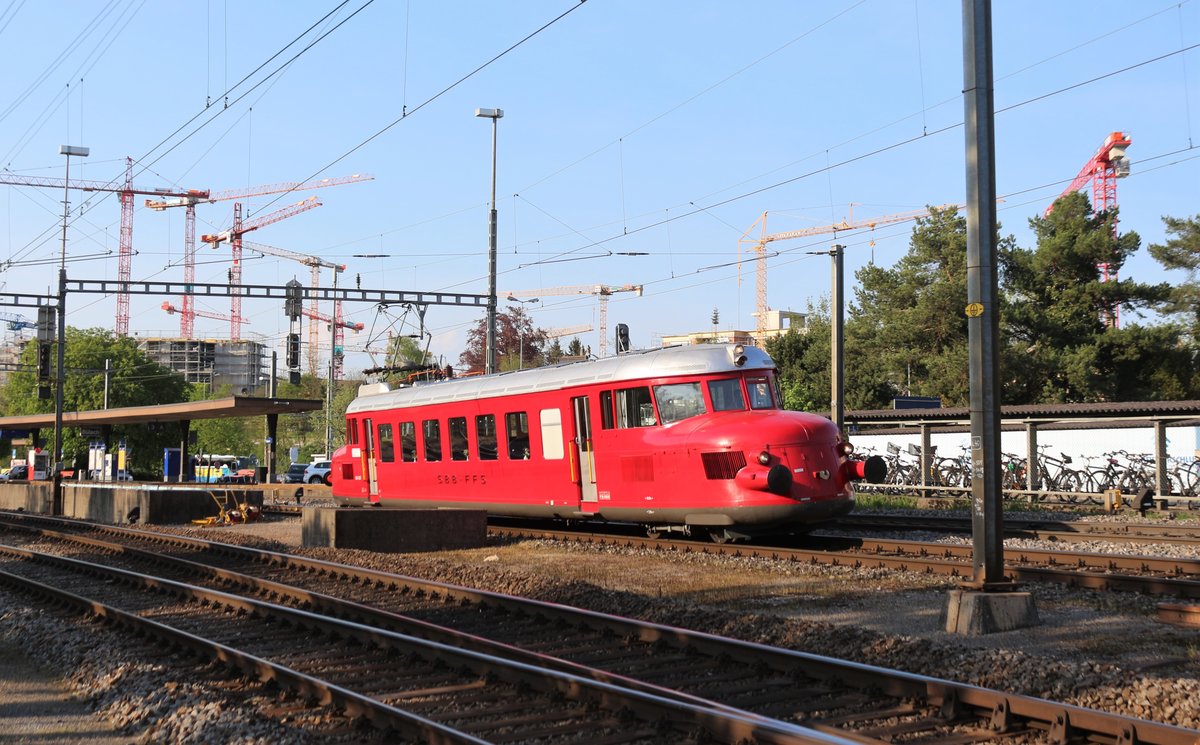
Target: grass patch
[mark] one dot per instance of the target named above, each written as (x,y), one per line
(884,502)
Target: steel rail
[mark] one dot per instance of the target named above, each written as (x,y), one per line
(1047,529)
(724,725)
(996,709)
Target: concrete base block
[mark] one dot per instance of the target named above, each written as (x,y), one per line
(149,504)
(392,531)
(27,496)
(972,613)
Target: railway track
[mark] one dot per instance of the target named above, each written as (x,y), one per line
(1169,577)
(736,691)
(1067,531)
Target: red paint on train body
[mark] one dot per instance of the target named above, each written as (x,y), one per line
(675,438)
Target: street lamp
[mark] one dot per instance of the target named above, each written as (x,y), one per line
(60,375)
(521,336)
(490,355)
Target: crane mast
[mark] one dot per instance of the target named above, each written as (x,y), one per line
(315,264)
(234,237)
(1102,170)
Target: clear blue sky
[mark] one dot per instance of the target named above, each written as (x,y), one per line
(629,126)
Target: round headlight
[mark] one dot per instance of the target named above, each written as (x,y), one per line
(845,448)
(764,457)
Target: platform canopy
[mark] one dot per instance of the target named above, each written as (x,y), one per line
(221,408)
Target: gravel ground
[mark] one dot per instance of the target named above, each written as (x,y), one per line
(1101,650)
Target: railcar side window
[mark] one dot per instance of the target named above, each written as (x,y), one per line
(679,401)
(726,395)
(485,436)
(634,408)
(552,434)
(351,431)
(516,427)
(387,449)
(458,438)
(606,410)
(408,442)
(431,432)
(760,393)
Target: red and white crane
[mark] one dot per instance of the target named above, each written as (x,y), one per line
(315,264)
(190,199)
(125,192)
(234,237)
(1102,170)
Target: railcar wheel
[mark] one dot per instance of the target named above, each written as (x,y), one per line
(653,533)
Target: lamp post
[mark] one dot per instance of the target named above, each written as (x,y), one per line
(490,354)
(521,336)
(60,374)
(329,382)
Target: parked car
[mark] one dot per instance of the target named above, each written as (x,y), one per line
(16,473)
(318,473)
(294,474)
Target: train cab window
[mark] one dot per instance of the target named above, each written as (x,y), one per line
(606,410)
(431,432)
(485,437)
(516,427)
(387,448)
(458,438)
(726,395)
(679,401)
(635,408)
(408,442)
(760,393)
(351,431)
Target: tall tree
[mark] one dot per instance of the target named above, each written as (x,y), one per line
(1182,252)
(1064,348)
(907,325)
(518,343)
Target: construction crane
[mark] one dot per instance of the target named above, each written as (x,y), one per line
(234,237)
(125,192)
(760,247)
(1102,170)
(601,291)
(16,322)
(315,264)
(190,199)
(339,326)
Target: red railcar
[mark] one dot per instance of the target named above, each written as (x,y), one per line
(682,438)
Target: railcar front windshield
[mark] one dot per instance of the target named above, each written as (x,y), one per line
(679,401)
(760,393)
(727,395)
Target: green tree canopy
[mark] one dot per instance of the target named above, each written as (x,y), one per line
(907,326)
(1059,319)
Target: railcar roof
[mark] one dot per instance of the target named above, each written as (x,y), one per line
(655,363)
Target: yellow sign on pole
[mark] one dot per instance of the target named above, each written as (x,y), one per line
(974,310)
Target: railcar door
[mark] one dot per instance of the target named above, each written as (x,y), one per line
(369,457)
(583,453)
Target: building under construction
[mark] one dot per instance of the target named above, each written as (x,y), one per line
(216,362)
(778,323)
